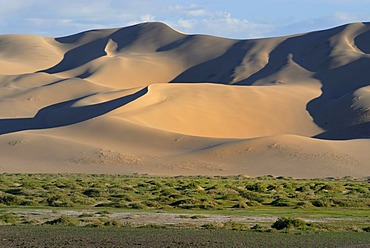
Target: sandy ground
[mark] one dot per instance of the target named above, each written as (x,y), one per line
(147,99)
(138,219)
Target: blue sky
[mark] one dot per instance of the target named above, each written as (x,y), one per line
(227,18)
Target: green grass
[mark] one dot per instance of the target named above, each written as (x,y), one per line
(234,195)
(196,193)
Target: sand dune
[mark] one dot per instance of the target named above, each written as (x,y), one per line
(148,99)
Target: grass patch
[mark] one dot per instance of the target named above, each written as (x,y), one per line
(293,199)
(209,193)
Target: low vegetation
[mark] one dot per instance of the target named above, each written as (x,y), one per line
(207,193)
(289,223)
(294,201)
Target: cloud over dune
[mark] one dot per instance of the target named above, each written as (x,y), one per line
(234,19)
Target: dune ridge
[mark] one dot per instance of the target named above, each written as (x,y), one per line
(149,99)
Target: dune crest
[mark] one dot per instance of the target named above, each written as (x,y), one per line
(149,99)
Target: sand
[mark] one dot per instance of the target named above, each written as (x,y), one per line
(147,99)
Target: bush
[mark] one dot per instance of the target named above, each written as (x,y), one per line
(59,201)
(236,226)
(333,187)
(349,203)
(212,226)
(241,204)
(257,187)
(63,220)
(283,202)
(289,223)
(92,193)
(137,205)
(112,223)
(257,227)
(304,204)
(8,199)
(8,218)
(321,203)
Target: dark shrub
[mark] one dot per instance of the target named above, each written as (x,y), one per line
(257,187)
(92,193)
(8,199)
(321,203)
(289,223)
(283,202)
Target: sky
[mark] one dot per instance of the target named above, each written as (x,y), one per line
(240,19)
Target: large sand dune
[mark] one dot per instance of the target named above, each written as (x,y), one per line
(148,99)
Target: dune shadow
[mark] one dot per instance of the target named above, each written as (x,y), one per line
(64,114)
(93,49)
(362,42)
(79,56)
(358,131)
(221,72)
(338,87)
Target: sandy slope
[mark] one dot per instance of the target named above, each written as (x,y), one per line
(147,99)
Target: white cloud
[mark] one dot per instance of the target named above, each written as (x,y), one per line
(186,24)
(197,12)
(222,24)
(349,17)
(215,17)
(193,10)
(147,18)
(315,24)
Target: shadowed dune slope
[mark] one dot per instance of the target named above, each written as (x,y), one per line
(148,99)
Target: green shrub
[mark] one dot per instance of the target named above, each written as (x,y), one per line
(137,205)
(257,227)
(63,220)
(237,226)
(257,187)
(112,223)
(195,217)
(153,204)
(59,200)
(304,204)
(212,226)
(86,215)
(253,196)
(11,200)
(184,203)
(283,202)
(304,188)
(349,203)
(321,203)
(8,218)
(289,223)
(333,187)
(104,212)
(241,204)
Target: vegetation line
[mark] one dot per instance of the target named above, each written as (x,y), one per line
(263,196)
